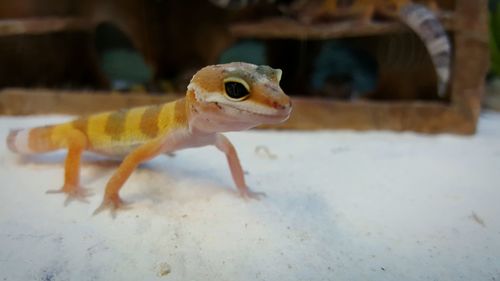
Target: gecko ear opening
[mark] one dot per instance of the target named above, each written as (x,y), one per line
(236,89)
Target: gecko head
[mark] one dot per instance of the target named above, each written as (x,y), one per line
(238,96)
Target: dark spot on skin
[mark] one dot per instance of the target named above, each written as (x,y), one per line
(115,125)
(218,106)
(149,125)
(271,87)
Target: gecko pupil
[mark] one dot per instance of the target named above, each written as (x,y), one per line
(236,90)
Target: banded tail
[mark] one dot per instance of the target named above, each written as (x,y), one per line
(427,26)
(34,140)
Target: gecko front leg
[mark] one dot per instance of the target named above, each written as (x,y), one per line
(76,143)
(143,153)
(224,145)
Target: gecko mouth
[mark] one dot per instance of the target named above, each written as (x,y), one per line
(278,117)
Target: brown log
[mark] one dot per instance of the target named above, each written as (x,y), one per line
(308,114)
(30,26)
(471,58)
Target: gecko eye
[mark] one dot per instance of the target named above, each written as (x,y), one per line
(236,89)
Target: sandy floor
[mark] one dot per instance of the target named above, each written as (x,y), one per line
(339,206)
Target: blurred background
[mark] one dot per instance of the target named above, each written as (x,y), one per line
(328,50)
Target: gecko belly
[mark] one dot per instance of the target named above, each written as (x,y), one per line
(116,151)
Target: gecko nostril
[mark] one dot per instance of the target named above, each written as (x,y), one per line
(280,106)
(277,105)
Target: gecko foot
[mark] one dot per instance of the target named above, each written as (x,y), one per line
(113,204)
(248,194)
(73,192)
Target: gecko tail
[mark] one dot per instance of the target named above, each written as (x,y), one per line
(30,141)
(428,27)
(11,140)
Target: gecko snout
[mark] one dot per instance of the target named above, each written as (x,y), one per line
(283,104)
(283,107)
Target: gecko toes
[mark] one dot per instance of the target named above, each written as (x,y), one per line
(73,193)
(248,194)
(113,204)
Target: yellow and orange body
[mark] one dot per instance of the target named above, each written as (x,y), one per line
(110,133)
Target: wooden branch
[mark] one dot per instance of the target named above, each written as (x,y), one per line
(31,102)
(424,117)
(9,27)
